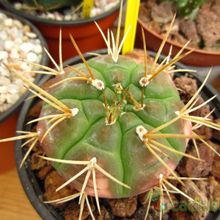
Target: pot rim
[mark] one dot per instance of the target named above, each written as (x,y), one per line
(44,61)
(179,46)
(51,22)
(27,177)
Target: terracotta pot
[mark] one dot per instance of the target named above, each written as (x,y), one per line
(33,187)
(8,119)
(84,31)
(196,58)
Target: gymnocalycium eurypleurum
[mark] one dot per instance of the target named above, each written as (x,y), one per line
(114,127)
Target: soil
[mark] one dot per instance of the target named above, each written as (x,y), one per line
(158,14)
(207,190)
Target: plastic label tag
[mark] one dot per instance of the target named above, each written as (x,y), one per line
(87,7)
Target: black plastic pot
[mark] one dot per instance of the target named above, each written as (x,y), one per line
(30,183)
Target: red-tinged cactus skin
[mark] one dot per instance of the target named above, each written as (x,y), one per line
(117,147)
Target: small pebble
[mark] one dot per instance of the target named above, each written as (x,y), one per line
(2,99)
(3,90)
(4,81)
(17,23)
(9,45)
(3,55)
(32,57)
(12,98)
(8,22)
(3,35)
(14,54)
(67,17)
(26,47)
(24,66)
(18,6)
(31,35)
(38,49)
(13,89)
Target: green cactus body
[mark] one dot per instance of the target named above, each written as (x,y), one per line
(49,4)
(117,147)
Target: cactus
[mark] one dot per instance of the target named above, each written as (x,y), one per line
(109,133)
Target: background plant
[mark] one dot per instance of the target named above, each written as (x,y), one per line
(187,8)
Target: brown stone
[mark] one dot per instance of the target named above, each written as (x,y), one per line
(193,168)
(123,207)
(208,24)
(51,183)
(44,171)
(73,210)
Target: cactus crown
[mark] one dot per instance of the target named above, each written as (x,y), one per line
(108,110)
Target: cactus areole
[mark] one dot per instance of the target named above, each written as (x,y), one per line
(105,123)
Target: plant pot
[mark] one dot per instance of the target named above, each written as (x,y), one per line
(84,31)
(196,58)
(28,179)
(8,118)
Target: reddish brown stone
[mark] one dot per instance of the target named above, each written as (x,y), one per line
(36,162)
(216,168)
(44,171)
(105,214)
(51,183)
(189,30)
(163,12)
(214,193)
(193,168)
(192,190)
(208,20)
(178,215)
(73,210)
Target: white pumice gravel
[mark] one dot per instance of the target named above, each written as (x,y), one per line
(17,43)
(73,13)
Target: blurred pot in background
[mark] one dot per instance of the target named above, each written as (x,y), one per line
(197,21)
(72,17)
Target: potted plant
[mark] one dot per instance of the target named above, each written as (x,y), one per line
(71,19)
(115,128)
(19,40)
(193,19)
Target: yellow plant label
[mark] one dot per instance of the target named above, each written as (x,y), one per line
(87,7)
(131,23)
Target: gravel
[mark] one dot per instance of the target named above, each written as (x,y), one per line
(17,43)
(72,13)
